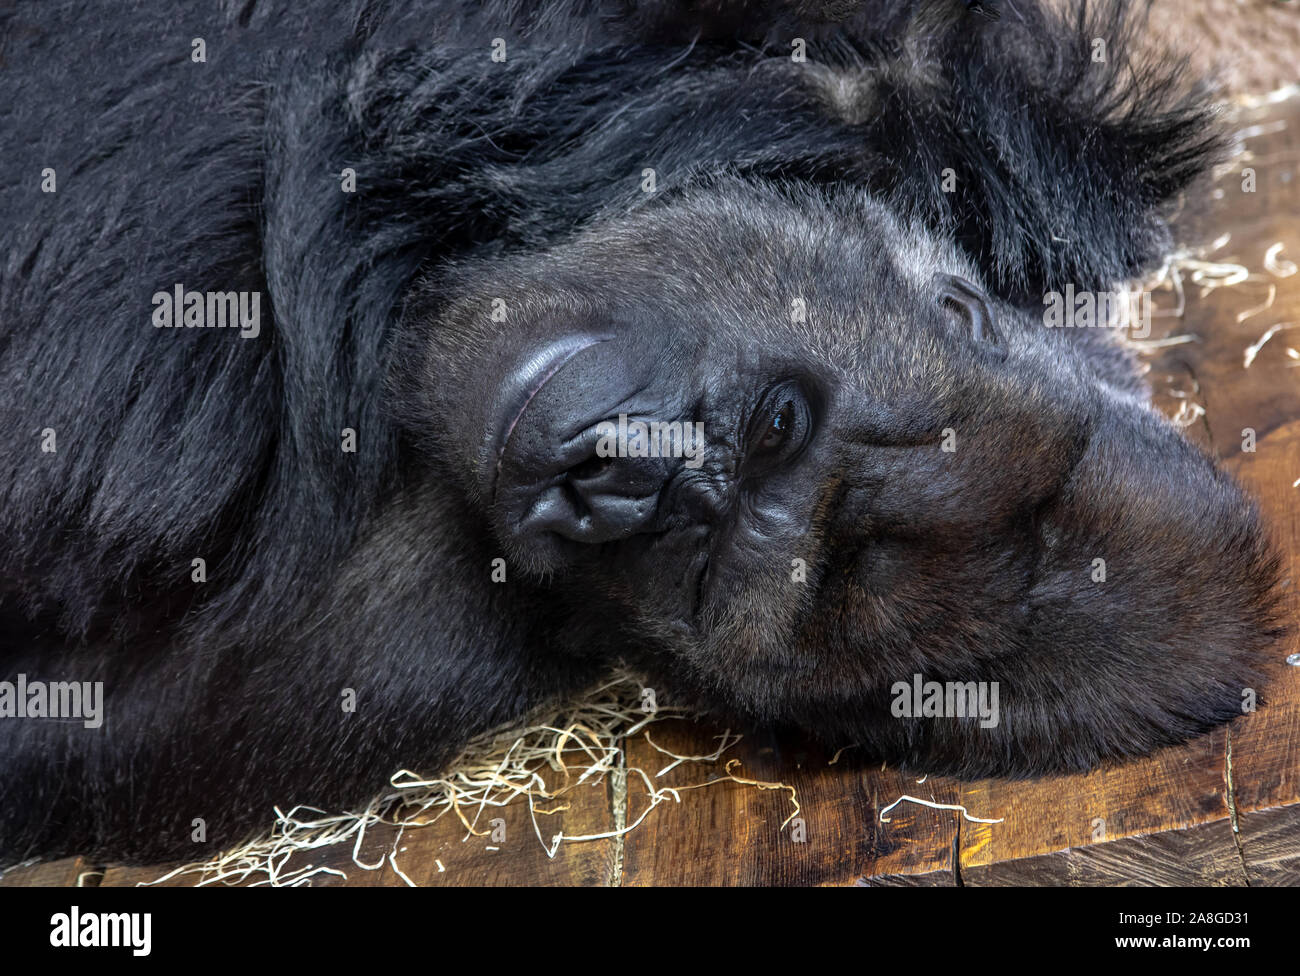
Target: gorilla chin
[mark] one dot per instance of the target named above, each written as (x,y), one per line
(912,478)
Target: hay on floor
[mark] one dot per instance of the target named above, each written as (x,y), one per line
(537,761)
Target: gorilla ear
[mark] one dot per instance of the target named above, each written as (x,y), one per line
(967,300)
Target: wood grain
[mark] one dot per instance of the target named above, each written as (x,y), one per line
(1202,854)
(732,834)
(65,873)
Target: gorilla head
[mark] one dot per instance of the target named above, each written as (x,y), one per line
(900,474)
(714,345)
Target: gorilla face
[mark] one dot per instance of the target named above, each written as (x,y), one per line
(898,474)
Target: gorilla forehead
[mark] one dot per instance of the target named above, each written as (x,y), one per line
(729,274)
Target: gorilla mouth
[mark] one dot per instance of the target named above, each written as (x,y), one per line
(524,383)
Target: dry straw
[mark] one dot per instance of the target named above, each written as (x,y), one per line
(540,761)
(1195,267)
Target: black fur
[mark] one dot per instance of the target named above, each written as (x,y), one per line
(370,570)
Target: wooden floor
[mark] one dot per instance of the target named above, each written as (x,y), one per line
(1224,810)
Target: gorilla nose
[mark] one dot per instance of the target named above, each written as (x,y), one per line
(600,499)
(553,481)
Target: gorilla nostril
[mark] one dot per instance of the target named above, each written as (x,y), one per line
(575,499)
(600,499)
(595,466)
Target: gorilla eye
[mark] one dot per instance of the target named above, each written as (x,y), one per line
(778,430)
(779,427)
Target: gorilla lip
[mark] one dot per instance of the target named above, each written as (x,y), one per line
(527,381)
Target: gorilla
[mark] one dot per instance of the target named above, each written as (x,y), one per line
(316,319)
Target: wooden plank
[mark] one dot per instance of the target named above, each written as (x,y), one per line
(123,876)
(70,872)
(1270,846)
(1173,789)
(946,878)
(1200,855)
(1264,746)
(732,834)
